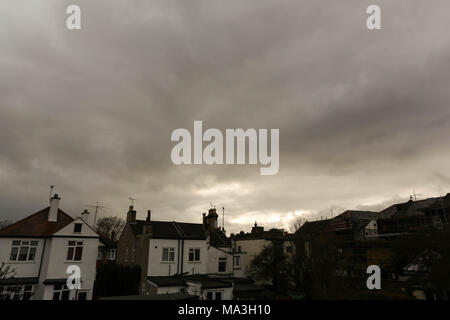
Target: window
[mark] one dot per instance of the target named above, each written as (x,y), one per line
(16,292)
(133,255)
(222,264)
(194,255)
(112,254)
(126,254)
(74,250)
(82,295)
(23,250)
(77,227)
(100,253)
(209,296)
(218,295)
(168,254)
(236,261)
(60,292)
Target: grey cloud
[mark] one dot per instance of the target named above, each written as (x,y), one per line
(363,116)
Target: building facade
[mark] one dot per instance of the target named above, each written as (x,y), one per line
(38,251)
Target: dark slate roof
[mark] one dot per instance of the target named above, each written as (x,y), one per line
(207,282)
(56,281)
(412,208)
(171,229)
(219,239)
(356,215)
(248,287)
(173,281)
(17,281)
(37,225)
(272,234)
(312,227)
(108,242)
(168,296)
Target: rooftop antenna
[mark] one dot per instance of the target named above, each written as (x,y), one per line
(51,191)
(414,195)
(223,218)
(97,208)
(132,200)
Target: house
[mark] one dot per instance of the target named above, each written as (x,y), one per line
(248,245)
(170,248)
(107,250)
(41,247)
(412,216)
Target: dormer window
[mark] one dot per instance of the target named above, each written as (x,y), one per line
(77,227)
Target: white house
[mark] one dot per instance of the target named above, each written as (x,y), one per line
(169,252)
(41,247)
(246,246)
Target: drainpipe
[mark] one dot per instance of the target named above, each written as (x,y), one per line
(182,255)
(42,258)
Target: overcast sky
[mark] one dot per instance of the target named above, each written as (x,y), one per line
(364,116)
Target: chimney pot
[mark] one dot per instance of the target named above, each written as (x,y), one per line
(131,215)
(85,216)
(54,206)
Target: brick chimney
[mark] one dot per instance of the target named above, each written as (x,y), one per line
(85,216)
(257,229)
(147,226)
(131,216)
(211,218)
(54,206)
(203,221)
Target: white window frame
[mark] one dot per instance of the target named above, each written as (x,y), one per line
(10,294)
(193,251)
(112,254)
(82,291)
(236,259)
(78,244)
(29,245)
(60,291)
(170,254)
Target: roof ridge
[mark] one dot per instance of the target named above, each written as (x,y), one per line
(23,219)
(178,229)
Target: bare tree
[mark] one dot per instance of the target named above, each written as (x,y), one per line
(297,224)
(271,264)
(6,271)
(110,227)
(16,292)
(5,223)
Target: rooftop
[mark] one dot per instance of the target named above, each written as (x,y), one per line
(37,225)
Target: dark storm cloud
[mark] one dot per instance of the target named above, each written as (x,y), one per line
(363,115)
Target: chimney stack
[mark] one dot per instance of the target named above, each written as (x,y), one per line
(147,226)
(85,216)
(204,221)
(54,206)
(211,218)
(131,215)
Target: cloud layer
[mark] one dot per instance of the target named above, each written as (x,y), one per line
(363,115)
